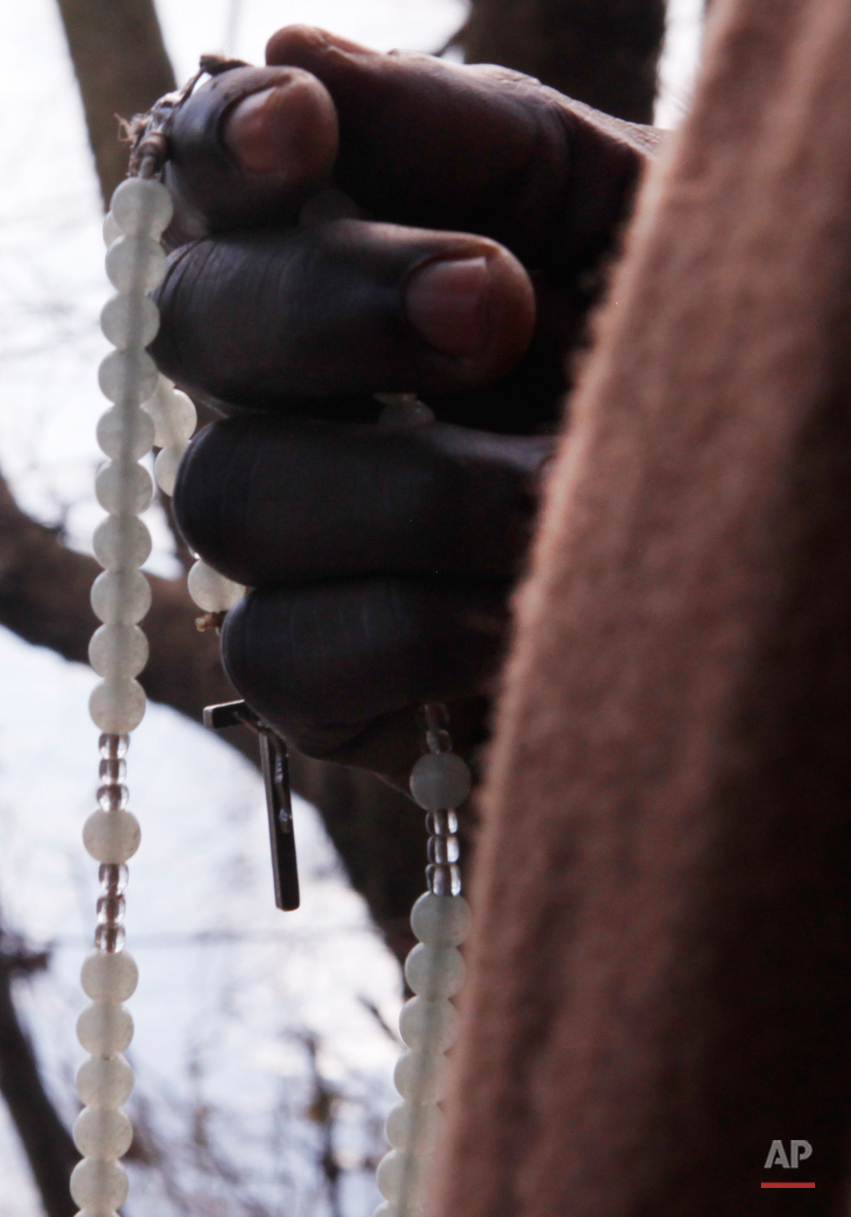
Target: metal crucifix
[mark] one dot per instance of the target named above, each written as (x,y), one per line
(276,778)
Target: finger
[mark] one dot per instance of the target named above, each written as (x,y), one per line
(332,665)
(441,145)
(347,307)
(270,503)
(251,145)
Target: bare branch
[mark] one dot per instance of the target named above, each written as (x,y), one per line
(47,1143)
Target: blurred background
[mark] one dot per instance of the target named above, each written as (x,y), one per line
(264,1042)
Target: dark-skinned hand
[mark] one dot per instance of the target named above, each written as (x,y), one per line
(381,557)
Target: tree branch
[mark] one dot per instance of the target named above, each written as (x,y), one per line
(44,599)
(47,1143)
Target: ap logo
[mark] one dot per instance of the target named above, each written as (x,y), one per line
(798,1151)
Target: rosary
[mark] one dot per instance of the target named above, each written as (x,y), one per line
(147,411)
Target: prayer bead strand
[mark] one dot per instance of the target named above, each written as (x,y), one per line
(434,970)
(118,651)
(149,411)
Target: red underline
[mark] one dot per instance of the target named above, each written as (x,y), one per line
(787,1185)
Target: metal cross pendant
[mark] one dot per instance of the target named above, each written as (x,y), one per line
(276,778)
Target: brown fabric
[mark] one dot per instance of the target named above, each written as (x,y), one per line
(661,970)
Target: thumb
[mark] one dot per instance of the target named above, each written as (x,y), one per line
(250,146)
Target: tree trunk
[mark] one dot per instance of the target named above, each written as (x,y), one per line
(122,68)
(602,52)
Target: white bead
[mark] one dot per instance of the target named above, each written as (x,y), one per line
(434,972)
(429,1026)
(130,319)
(441,921)
(125,433)
(105,1028)
(127,376)
(398,1172)
(142,207)
(165,467)
(123,489)
(117,706)
(110,229)
(120,597)
(118,652)
(440,781)
(211,591)
(414,1127)
(108,1082)
(175,417)
(388,1175)
(99,1187)
(109,977)
(112,836)
(122,542)
(135,264)
(421,1077)
(103,1132)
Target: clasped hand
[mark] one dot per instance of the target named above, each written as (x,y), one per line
(381,558)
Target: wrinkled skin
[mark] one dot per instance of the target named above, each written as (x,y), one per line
(382,558)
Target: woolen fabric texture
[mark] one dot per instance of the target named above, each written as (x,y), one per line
(660,970)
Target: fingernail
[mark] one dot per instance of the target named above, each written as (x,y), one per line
(445,303)
(251,138)
(289,129)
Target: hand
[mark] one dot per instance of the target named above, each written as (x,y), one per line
(381,558)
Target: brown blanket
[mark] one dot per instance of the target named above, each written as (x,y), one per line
(661,970)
